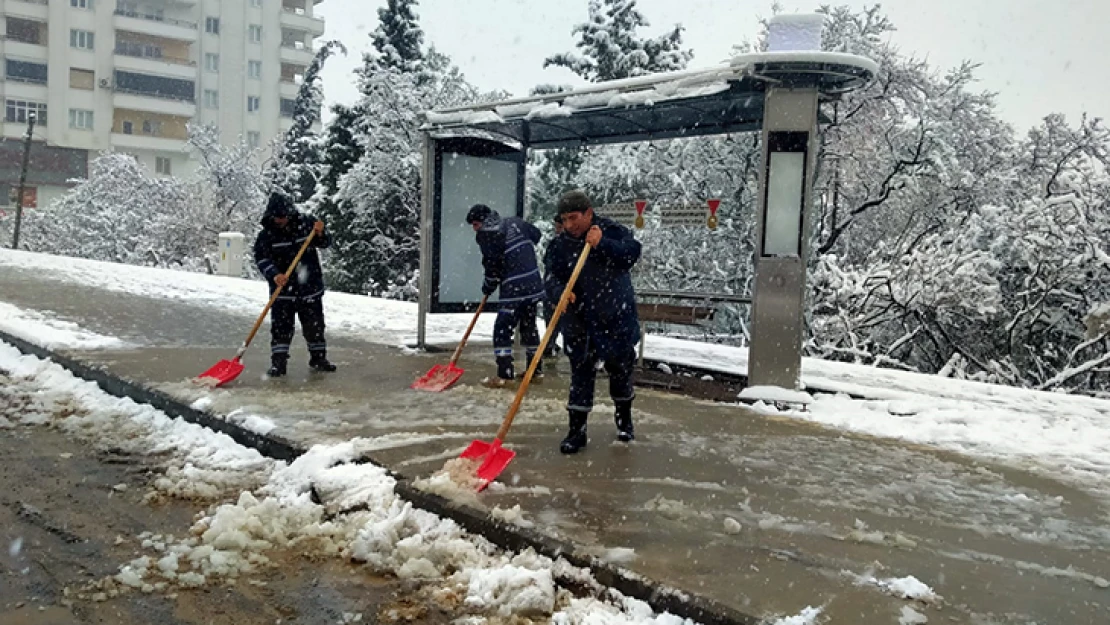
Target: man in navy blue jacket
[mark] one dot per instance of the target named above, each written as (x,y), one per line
(600,324)
(508,247)
(284,230)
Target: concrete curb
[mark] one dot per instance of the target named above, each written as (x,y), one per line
(661,597)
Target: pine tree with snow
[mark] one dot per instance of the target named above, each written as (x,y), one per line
(609,47)
(298,160)
(399,39)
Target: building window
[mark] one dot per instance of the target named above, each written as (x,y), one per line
(162,165)
(128,128)
(253,103)
(152,127)
(25,71)
(82,79)
(137,49)
(254,69)
(81,39)
(81,4)
(254,31)
(211,62)
(256,3)
(254,139)
(16,111)
(211,98)
(212,25)
(26,31)
(80,119)
(288,107)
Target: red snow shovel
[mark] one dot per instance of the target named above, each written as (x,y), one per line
(440,377)
(227,370)
(494,457)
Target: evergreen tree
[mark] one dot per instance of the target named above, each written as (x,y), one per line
(610,49)
(297,162)
(398,38)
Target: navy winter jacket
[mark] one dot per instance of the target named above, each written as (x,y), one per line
(508,247)
(604,311)
(275,248)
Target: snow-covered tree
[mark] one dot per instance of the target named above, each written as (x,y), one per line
(298,159)
(610,48)
(232,189)
(122,213)
(399,39)
(370,183)
(379,200)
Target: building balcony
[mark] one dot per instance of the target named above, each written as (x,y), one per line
(299,19)
(146,142)
(30,51)
(163,66)
(141,101)
(296,54)
(30,9)
(156,25)
(289,89)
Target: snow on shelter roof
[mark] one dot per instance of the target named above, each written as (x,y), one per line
(689,103)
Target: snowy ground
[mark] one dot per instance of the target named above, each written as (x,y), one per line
(1066,436)
(269,504)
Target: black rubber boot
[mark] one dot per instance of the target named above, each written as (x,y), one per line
(277,366)
(505,367)
(623,418)
(318,361)
(539,365)
(576,435)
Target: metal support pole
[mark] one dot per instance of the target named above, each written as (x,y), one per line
(427,206)
(782,242)
(23,179)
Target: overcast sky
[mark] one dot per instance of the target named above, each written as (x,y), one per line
(1041,56)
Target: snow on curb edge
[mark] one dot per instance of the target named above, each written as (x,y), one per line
(512,538)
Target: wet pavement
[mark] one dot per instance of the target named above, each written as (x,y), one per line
(765,514)
(71,513)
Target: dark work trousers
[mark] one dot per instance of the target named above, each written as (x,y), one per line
(511,316)
(583,373)
(548,313)
(282,319)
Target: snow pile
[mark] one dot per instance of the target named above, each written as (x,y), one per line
(773,394)
(808,616)
(786,33)
(320,504)
(52,333)
(457,481)
(903,588)
(513,516)
(910,616)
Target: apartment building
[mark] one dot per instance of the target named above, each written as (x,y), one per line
(128,75)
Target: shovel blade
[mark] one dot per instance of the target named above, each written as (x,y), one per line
(494,459)
(222,373)
(438,379)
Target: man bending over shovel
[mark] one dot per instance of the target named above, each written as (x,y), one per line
(600,323)
(284,230)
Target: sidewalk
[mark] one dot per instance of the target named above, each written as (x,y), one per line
(763,513)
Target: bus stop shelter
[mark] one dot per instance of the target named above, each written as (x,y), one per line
(477,154)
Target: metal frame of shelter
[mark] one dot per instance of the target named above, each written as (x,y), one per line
(477,154)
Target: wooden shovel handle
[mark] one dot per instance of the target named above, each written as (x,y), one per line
(469,329)
(564,299)
(277,291)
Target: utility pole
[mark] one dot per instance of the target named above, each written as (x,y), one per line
(23,179)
